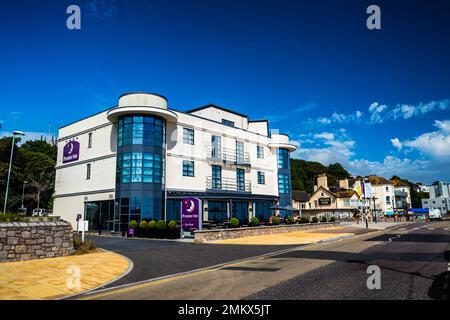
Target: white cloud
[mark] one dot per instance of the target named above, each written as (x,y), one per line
(434,144)
(329,148)
(337,146)
(443,125)
(324,135)
(396,143)
(380,113)
(410,169)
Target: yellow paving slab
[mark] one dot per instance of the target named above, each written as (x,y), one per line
(297,237)
(58,277)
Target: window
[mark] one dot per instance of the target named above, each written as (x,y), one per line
(141,130)
(240,179)
(216,177)
(239,152)
(260,152)
(188,136)
(136,167)
(283,158)
(387,188)
(388,200)
(216,146)
(188,168)
(90,140)
(261,177)
(283,183)
(228,122)
(88,171)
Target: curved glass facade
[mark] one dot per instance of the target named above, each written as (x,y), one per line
(140,174)
(284,179)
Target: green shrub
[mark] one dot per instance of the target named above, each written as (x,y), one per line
(255,221)
(323,219)
(87,246)
(12,217)
(290,220)
(152,224)
(234,222)
(314,220)
(332,219)
(172,225)
(161,224)
(275,220)
(133,224)
(143,224)
(303,220)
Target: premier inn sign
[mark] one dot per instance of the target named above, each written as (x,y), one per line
(71,152)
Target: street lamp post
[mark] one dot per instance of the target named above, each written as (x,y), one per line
(15,133)
(23,192)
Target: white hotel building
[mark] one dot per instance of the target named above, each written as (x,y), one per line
(138,160)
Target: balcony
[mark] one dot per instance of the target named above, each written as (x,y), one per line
(227,156)
(227,184)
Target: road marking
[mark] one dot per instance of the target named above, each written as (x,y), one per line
(430,228)
(446,228)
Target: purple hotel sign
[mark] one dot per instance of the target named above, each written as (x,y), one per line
(190,213)
(71,151)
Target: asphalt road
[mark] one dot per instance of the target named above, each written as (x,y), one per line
(158,258)
(413,261)
(413,266)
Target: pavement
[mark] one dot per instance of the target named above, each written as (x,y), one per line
(60,277)
(413,260)
(289,238)
(375,226)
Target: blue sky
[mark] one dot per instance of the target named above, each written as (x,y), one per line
(375,100)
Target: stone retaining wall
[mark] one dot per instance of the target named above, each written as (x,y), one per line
(233,233)
(35,240)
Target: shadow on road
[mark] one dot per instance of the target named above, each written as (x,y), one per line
(413,237)
(440,288)
(352,257)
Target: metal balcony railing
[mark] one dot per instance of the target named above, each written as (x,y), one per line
(228,184)
(227,156)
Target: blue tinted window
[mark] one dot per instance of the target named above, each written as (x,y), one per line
(188,168)
(141,130)
(188,136)
(261,177)
(139,167)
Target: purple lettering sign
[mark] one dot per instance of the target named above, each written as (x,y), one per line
(71,151)
(190,213)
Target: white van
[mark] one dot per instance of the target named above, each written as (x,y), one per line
(435,214)
(42,213)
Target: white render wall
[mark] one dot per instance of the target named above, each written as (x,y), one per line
(72,188)
(380,192)
(177,151)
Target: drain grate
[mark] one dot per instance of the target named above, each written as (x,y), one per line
(251,269)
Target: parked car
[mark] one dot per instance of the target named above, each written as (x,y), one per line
(42,212)
(435,214)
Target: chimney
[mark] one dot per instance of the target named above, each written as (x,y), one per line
(343,183)
(322,181)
